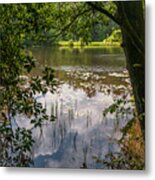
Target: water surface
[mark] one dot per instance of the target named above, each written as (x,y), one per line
(89,81)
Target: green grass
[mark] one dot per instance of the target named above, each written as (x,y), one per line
(91,44)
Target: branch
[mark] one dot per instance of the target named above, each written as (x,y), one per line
(104,11)
(71,22)
(127,26)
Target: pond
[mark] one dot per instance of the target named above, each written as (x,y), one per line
(89,81)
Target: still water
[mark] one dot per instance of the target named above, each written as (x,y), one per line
(89,81)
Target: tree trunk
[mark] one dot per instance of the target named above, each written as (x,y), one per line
(133,32)
(130,18)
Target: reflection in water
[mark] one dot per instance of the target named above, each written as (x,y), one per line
(89,80)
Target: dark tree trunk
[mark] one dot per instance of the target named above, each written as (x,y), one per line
(131,16)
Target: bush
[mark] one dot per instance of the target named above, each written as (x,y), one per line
(71,43)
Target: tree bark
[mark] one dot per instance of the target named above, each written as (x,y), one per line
(131,15)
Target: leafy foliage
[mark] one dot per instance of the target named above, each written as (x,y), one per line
(122,107)
(127,158)
(114,38)
(18,87)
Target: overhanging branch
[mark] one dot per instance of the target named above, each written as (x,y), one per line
(67,26)
(104,11)
(126,25)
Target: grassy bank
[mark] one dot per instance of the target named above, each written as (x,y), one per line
(90,44)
